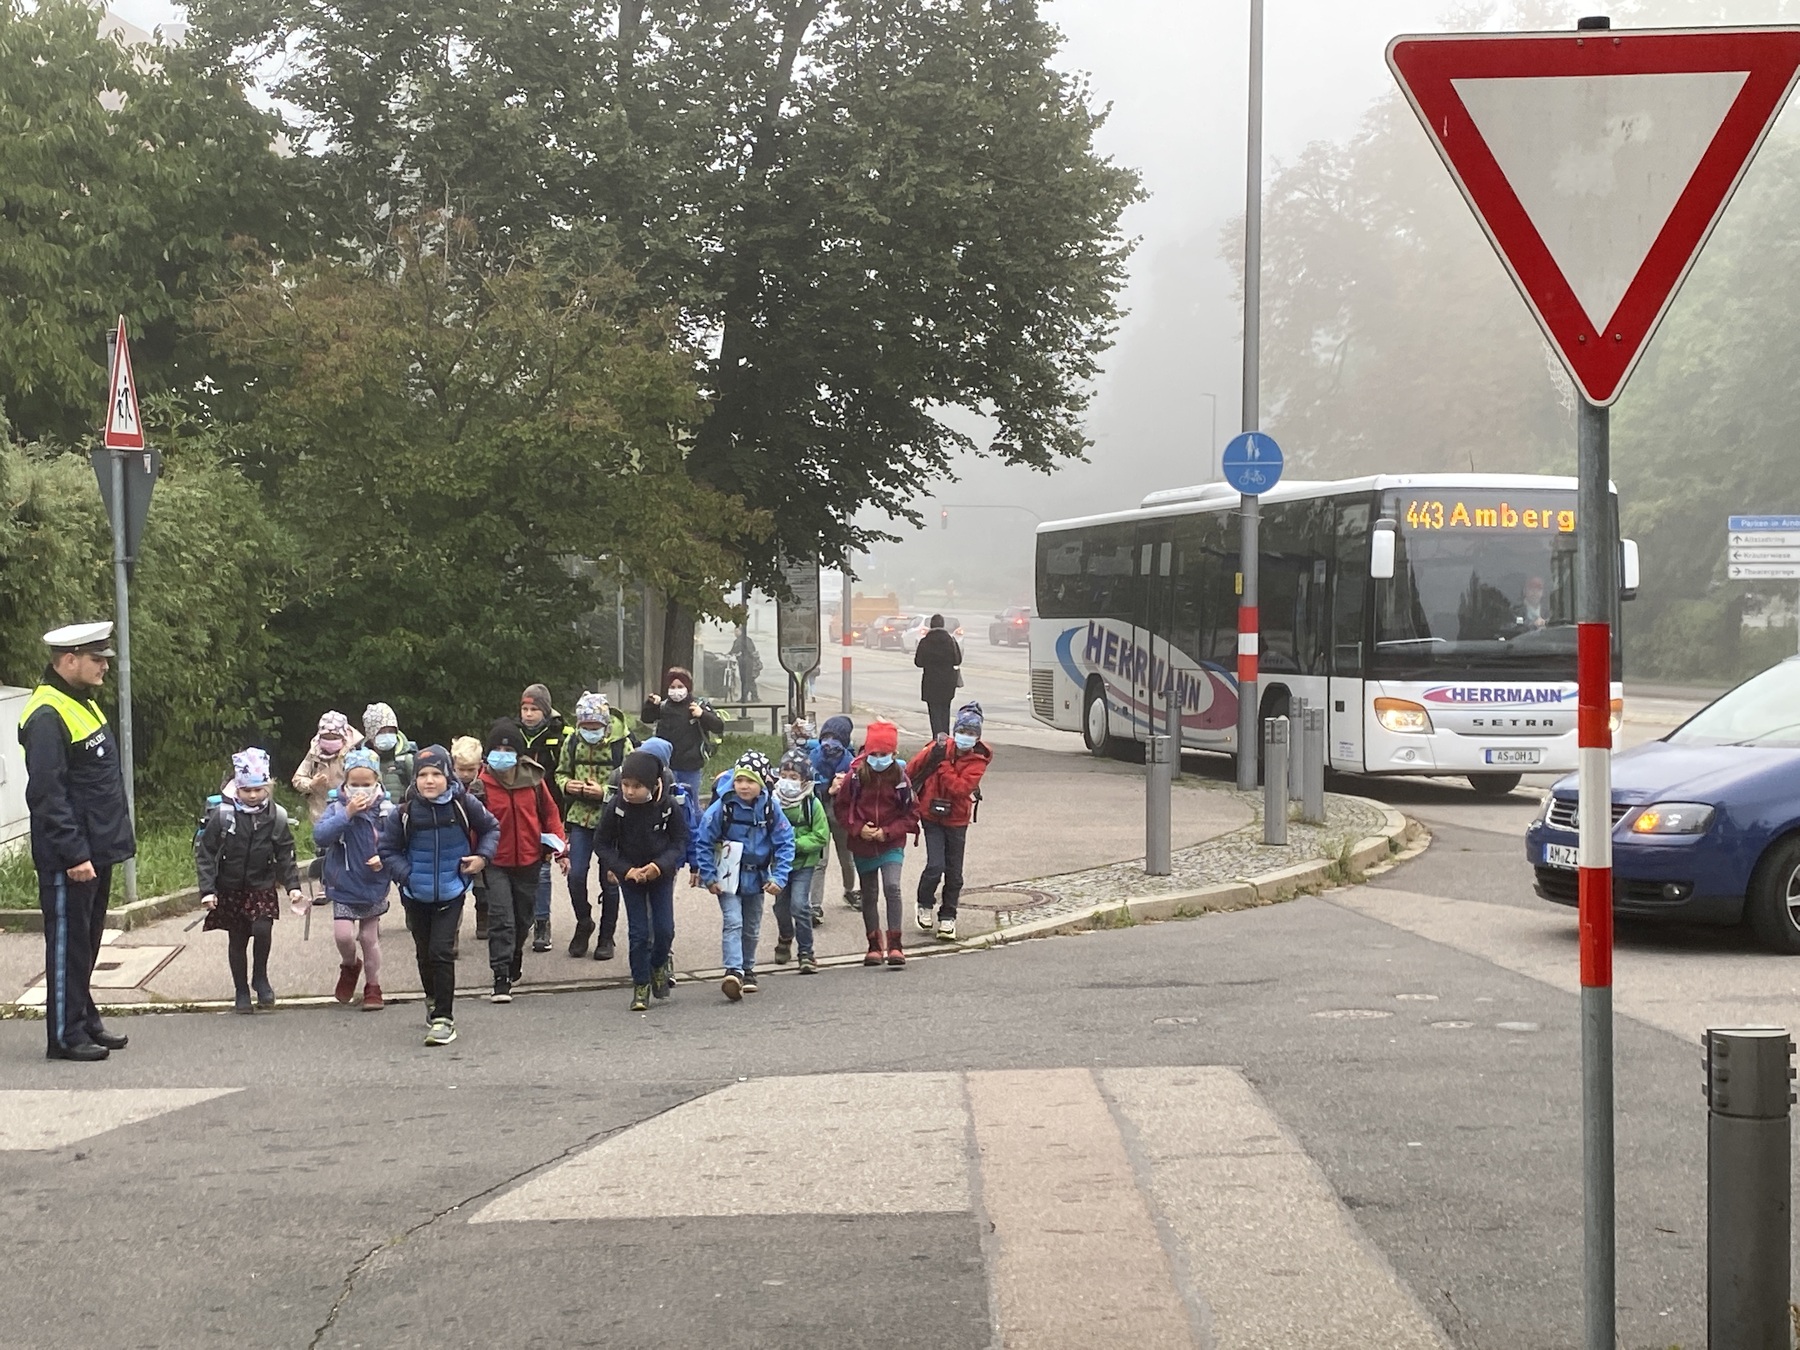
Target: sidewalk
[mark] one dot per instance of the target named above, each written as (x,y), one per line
(1045,812)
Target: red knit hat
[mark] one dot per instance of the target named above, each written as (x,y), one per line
(883,738)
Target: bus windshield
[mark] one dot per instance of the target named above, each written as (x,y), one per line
(1484,581)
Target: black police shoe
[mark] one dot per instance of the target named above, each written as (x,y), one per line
(86,1052)
(112,1040)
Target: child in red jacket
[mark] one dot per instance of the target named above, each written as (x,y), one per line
(515,788)
(946,781)
(875,803)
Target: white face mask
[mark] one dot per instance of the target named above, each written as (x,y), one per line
(677,693)
(790,790)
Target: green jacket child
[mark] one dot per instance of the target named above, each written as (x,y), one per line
(812,827)
(601,740)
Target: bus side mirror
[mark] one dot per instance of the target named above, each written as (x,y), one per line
(1628,569)
(1381,551)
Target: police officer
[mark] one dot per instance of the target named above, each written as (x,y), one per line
(80,827)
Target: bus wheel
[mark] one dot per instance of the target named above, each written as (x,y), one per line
(1096,728)
(1493,784)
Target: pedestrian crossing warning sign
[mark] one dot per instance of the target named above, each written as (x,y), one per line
(124,430)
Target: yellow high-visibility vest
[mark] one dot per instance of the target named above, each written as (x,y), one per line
(81,719)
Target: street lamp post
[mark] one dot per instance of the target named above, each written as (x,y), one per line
(1212,458)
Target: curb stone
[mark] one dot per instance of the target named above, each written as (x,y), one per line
(125,918)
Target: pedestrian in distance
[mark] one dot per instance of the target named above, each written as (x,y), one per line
(322,769)
(465,759)
(545,734)
(746,852)
(437,839)
(684,721)
(516,789)
(590,758)
(348,837)
(946,782)
(939,656)
(876,804)
(642,839)
(831,758)
(812,835)
(381,730)
(80,830)
(243,856)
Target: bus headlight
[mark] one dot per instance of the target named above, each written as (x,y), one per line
(1399,714)
(1673,818)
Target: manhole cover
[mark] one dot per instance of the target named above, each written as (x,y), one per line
(1352,1014)
(1005,899)
(1175,1021)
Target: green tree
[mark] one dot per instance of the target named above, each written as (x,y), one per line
(448,435)
(867,211)
(130,180)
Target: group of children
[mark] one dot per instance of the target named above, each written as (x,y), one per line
(485,821)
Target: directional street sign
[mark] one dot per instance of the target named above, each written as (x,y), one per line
(124,431)
(1766,539)
(1763,555)
(1598,162)
(1782,525)
(1762,548)
(1771,571)
(1251,463)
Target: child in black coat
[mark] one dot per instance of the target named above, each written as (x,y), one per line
(244,854)
(642,840)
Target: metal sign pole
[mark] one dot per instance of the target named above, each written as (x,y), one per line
(122,636)
(844,634)
(1595,591)
(1249,506)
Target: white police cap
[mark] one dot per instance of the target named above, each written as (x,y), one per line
(93,638)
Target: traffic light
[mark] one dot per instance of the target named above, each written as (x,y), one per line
(944,518)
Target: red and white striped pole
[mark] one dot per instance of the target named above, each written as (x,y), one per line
(844,633)
(1596,592)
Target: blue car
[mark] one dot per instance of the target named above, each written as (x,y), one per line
(1706,821)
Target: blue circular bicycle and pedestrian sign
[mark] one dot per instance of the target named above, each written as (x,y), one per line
(1252,463)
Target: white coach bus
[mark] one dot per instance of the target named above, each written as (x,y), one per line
(1431,615)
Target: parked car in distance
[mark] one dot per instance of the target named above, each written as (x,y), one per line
(1011,626)
(886,631)
(916,629)
(1705,821)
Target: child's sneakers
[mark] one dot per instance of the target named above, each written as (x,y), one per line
(749,982)
(442,1032)
(640,998)
(783,950)
(540,935)
(732,985)
(372,1000)
(818,912)
(502,990)
(925,917)
(661,978)
(808,966)
(946,930)
(346,985)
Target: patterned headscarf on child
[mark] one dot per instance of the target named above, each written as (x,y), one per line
(376,716)
(250,768)
(592,707)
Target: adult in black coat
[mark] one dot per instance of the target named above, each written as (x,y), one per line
(684,722)
(938,656)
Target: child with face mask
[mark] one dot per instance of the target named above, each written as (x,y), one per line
(875,802)
(348,837)
(589,758)
(381,730)
(946,780)
(746,852)
(545,732)
(812,833)
(434,842)
(465,759)
(642,839)
(831,759)
(243,857)
(684,722)
(517,790)
(321,772)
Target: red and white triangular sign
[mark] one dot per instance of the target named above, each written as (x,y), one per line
(124,430)
(1598,162)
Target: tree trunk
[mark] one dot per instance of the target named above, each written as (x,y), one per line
(678,639)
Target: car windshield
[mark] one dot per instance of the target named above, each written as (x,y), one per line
(1763,710)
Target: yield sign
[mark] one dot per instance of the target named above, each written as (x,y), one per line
(1598,162)
(124,431)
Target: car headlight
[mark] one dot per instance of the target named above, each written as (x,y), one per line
(1673,818)
(1616,717)
(1399,714)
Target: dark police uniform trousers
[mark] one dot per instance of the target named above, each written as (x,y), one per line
(75,790)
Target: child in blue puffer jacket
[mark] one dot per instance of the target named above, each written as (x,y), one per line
(348,837)
(747,842)
(434,842)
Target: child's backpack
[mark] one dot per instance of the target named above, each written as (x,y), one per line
(404,807)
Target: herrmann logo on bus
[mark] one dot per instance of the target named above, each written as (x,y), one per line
(1496,695)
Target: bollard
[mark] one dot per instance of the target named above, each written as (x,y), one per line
(1748,1184)
(1275,780)
(1157,780)
(1312,756)
(1296,759)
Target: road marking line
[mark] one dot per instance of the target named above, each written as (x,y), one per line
(856,1143)
(1266,1239)
(56,1118)
(1079,1262)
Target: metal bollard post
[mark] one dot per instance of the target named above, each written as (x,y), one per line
(1275,780)
(1157,789)
(1312,756)
(1296,757)
(1749,1218)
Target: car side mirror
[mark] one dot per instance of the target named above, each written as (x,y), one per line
(1628,569)
(1381,551)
